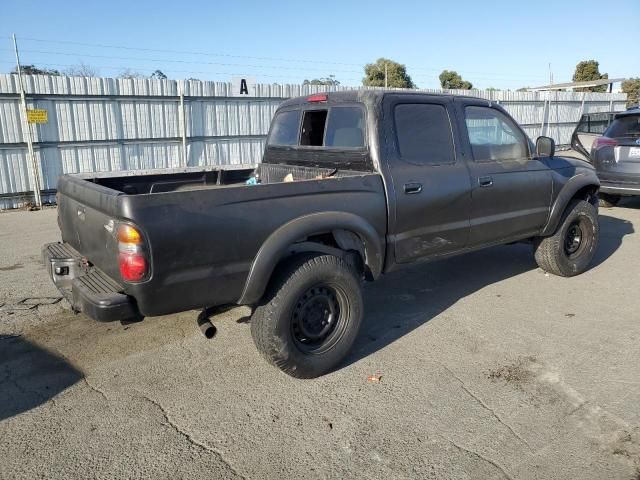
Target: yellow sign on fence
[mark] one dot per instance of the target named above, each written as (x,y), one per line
(37,115)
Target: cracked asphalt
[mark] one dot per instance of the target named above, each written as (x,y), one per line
(489,368)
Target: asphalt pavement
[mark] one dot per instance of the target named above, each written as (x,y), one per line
(482,366)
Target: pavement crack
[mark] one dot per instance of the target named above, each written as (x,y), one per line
(481,457)
(96,389)
(480,402)
(189,438)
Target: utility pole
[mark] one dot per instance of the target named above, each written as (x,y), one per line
(35,170)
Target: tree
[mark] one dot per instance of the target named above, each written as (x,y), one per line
(158,75)
(589,70)
(450,79)
(397,76)
(328,81)
(33,70)
(631,87)
(128,73)
(82,70)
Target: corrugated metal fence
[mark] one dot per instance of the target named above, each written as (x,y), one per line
(105,124)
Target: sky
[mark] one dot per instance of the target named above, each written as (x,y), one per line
(500,44)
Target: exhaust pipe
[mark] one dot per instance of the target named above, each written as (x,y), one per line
(206,327)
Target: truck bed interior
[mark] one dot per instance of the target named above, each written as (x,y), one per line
(161,182)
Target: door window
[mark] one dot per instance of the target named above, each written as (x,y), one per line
(424,134)
(493,135)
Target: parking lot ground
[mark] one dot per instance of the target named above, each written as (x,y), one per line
(488,368)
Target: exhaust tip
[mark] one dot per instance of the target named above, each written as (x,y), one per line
(206,327)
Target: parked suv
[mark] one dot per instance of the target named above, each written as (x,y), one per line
(612,142)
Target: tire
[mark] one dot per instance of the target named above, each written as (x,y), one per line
(310,315)
(608,201)
(571,248)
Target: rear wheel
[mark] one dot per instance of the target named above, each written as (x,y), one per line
(571,248)
(608,201)
(310,315)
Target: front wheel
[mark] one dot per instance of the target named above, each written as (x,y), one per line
(310,315)
(571,248)
(608,201)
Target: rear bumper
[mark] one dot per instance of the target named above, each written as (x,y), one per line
(87,289)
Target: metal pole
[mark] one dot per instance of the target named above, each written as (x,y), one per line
(184,125)
(35,170)
(386,83)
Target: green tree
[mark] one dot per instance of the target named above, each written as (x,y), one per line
(328,81)
(158,75)
(452,80)
(397,76)
(631,87)
(33,70)
(589,70)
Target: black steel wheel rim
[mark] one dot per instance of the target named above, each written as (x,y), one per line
(318,319)
(574,239)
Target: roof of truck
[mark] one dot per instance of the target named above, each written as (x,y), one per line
(363,95)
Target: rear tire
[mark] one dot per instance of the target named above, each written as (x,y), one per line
(310,315)
(571,248)
(608,201)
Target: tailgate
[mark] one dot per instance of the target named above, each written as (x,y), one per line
(86,213)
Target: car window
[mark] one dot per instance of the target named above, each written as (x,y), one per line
(313,123)
(493,135)
(424,134)
(345,127)
(285,128)
(628,126)
(595,123)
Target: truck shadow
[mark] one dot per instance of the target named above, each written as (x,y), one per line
(407,299)
(30,375)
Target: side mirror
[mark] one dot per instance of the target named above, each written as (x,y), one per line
(545,147)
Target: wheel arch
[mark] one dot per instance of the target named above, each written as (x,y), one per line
(344,227)
(583,187)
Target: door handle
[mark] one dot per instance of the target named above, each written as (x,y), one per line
(411,188)
(485,181)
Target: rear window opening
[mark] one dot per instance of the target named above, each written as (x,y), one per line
(313,124)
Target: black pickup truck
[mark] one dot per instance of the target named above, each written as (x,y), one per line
(352,185)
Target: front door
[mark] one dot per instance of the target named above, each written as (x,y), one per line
(510,188)
(430,182)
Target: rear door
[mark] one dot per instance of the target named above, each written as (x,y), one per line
(591,126)
(430,178)
(510,189)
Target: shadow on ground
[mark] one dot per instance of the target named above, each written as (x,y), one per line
(407,299)
(30,375)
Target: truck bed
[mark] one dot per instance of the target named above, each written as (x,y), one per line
(203,227)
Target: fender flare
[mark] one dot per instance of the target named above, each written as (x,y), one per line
(277,244)
(568,191)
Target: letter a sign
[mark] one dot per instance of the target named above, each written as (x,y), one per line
(243,86)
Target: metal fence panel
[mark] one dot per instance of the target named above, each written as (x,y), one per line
(106,124)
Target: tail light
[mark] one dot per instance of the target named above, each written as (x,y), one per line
(600,142)
(131,254)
